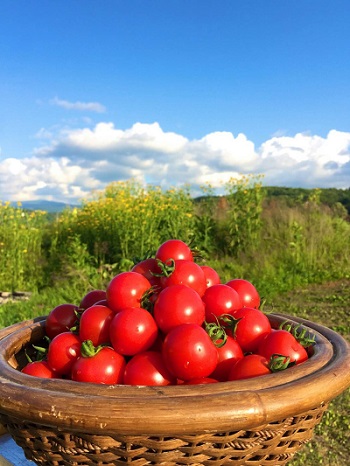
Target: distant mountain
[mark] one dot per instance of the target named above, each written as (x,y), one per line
(47,206)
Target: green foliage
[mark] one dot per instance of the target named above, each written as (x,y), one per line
(127,220)
(327,196)
(306,243)
(245,197)
(21,255)
(275,241)
(205,224)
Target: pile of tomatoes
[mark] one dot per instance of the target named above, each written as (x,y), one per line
(167,321)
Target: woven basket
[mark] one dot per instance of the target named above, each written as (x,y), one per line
(261,421)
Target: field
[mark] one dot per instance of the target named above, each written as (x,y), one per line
(295,249)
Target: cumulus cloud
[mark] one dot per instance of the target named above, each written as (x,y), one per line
(74,162)
(80,106)
(306,160)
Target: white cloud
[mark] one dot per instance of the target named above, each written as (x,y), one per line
(37,178)
(306,160)
(80,106)
(74,162)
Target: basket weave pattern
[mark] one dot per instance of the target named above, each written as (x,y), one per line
(242,423)
(272,444)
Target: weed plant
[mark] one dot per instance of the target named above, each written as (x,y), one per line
(275,244)
(21,248)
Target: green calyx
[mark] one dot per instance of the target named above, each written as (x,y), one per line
(216,333)
(300,333)
(229,322)
(167,268)
(88,350)
(279,362)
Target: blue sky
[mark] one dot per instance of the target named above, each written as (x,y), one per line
(169,92)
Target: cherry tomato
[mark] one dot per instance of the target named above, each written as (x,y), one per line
(250,328)
(126,290)
(106,366)
(94,324)
(200,381)
(102,302)
(186,273)
(283,343)
(247,291)
(133,330)
(211,275)
(39,369)
(220,299)
(63,351)
(148,368)
(228,354)
(189,352)
(174,249)
(149,268)
(252,365)
(92,297)
(178,304)
(61,319)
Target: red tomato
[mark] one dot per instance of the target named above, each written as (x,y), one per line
(148,268)
(252,365)
(228,354)
(92,297)
(200,381)
(106,366)
(186,273)
(61,319)
(133,330)
(174,249)
(126,290)
(39,369)
(102,302)
(283,343)
(148,368)
(63,351)
(250,328)
(211,275)
(189,352)
(178,304)
(220,299)
(94,324)
(247,291)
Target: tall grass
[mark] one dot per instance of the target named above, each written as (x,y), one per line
(127,220)
(21,249)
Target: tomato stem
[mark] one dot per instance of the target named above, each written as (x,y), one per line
(230,322)
(278,362)
(216,332)
(88,350)
(300,333)
(167,268)
(146,301)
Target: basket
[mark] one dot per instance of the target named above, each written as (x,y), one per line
(260,421)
